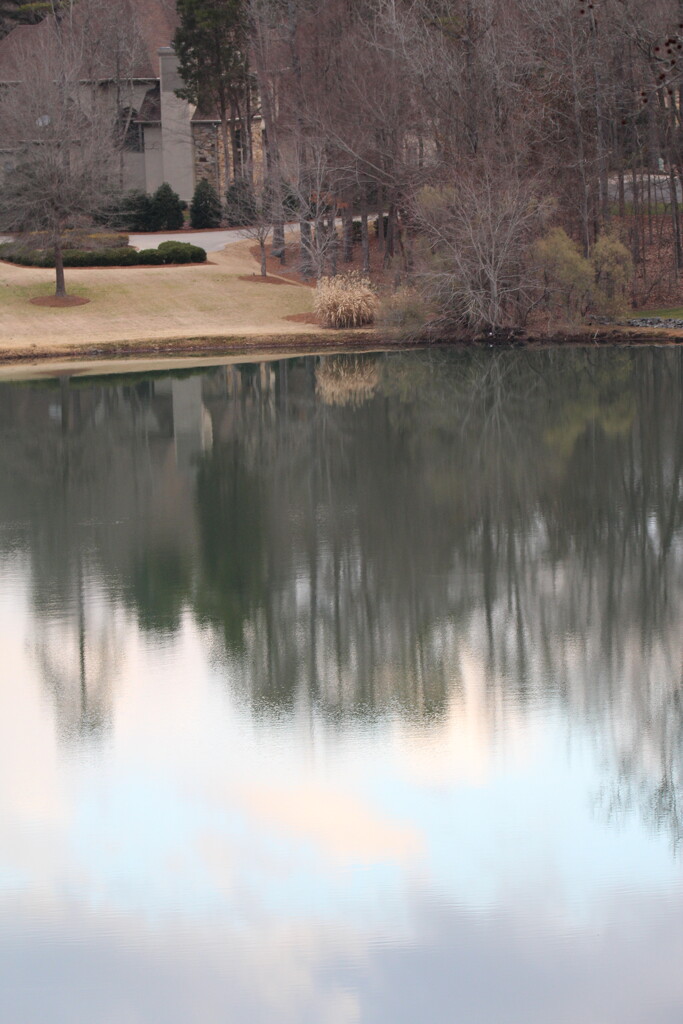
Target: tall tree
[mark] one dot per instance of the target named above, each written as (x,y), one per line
(211,43)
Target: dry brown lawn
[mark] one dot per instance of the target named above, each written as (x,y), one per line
(149,303)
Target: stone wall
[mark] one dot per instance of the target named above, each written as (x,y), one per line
(209,160)
(208,155)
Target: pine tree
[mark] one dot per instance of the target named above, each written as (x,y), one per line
(167,210)
(211,43)
(205,208)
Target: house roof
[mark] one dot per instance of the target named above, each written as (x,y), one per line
(203,115)
(106,32)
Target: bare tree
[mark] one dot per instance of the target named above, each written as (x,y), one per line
(259,211)
(478,235)
(59,138)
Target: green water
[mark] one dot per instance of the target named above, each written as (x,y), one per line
(344,689)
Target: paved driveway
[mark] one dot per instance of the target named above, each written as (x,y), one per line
(212,241)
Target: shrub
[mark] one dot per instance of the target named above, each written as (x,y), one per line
(613,268)
(182,252)
(123,256)
(132,211)
(150,257)
(15,252)
(404,313)
(205,209)
(240,204)
(566,273)
(345,301)
(166,209)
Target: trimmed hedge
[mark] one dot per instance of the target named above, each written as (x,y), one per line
(151,258)
(123,256)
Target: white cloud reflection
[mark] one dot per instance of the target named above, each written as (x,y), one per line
(200,865)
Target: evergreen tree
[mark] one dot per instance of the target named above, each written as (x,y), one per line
(205,208)
(21,12)
(167,210)
(211,43)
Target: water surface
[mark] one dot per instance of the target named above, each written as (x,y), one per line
(344,689)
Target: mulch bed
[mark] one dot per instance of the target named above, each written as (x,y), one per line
(58,301)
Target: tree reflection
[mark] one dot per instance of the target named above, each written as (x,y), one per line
(345,528)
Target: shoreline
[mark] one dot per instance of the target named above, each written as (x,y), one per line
(81,357)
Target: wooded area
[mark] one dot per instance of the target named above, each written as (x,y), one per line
(472,126)
(521,154)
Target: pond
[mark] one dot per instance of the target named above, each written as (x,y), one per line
(344,689)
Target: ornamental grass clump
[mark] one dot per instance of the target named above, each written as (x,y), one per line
(346,380)
(347,300)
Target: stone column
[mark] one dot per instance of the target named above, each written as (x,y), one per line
(176,128)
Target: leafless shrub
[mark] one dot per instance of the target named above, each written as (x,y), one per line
(347,300)
(476,264)
(404,313)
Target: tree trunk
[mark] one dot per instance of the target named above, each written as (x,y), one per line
(249,135)
(60,284)
(389,247)
(278,246)
(226,152)
(236,156)
(306,262)
(264,269)
(365,241)
(348,233)
(380,219)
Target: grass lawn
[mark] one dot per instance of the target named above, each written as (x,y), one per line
(148,303)
(676,313)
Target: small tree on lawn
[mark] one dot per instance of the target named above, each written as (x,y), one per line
(59,140)
(205,208)
(167,209)
(261,210)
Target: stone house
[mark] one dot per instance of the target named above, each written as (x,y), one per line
(132,62)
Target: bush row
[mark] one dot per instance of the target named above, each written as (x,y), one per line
(124,256)
(137,211)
